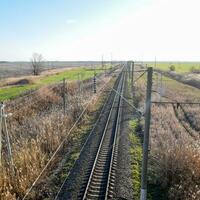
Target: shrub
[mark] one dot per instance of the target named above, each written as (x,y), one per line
(172,68)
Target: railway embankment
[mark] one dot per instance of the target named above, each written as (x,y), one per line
(189,78)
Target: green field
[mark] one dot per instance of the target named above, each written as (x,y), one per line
(74,74)
(180,67)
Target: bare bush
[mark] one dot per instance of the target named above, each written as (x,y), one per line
(36,63)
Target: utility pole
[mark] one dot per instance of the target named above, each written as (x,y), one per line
(64,97)
(79,89)
(102,63)
(128,68)
(143,194)
(132,68)
(132,80)
(161,86)
(110,60)
(105,68)
(1,121)
(94,82)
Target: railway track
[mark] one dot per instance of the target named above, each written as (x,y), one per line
(102,177)
(93,175)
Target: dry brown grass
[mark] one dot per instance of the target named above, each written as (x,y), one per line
(174,153)
(37,127)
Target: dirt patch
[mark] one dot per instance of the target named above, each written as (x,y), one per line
(21,82)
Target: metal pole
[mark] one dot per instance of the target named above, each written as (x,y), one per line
(79,89)
(161,86)
(64,97)
(66,93)
(5,131)
(132,70)
(133,88)
(131,73)
(1,120)
(105,69)
(102,63)
(94,81)
(110,61)
(143,194)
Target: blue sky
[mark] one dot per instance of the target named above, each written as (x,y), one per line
(88,29)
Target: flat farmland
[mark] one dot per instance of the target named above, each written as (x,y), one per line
(13,69)
(180,67)
(14,88)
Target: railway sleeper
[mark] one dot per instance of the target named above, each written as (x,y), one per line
(99,177)
(94,196)
(104,155)
(102,172)
(102,162)
(105,150)
(96,192)
(102,165)
(98,187)
(99,184)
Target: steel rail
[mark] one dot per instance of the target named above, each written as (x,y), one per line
(115,146)
(106,155)
(85,143)
(102,112)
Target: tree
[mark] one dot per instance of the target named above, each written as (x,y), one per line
(36,63)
